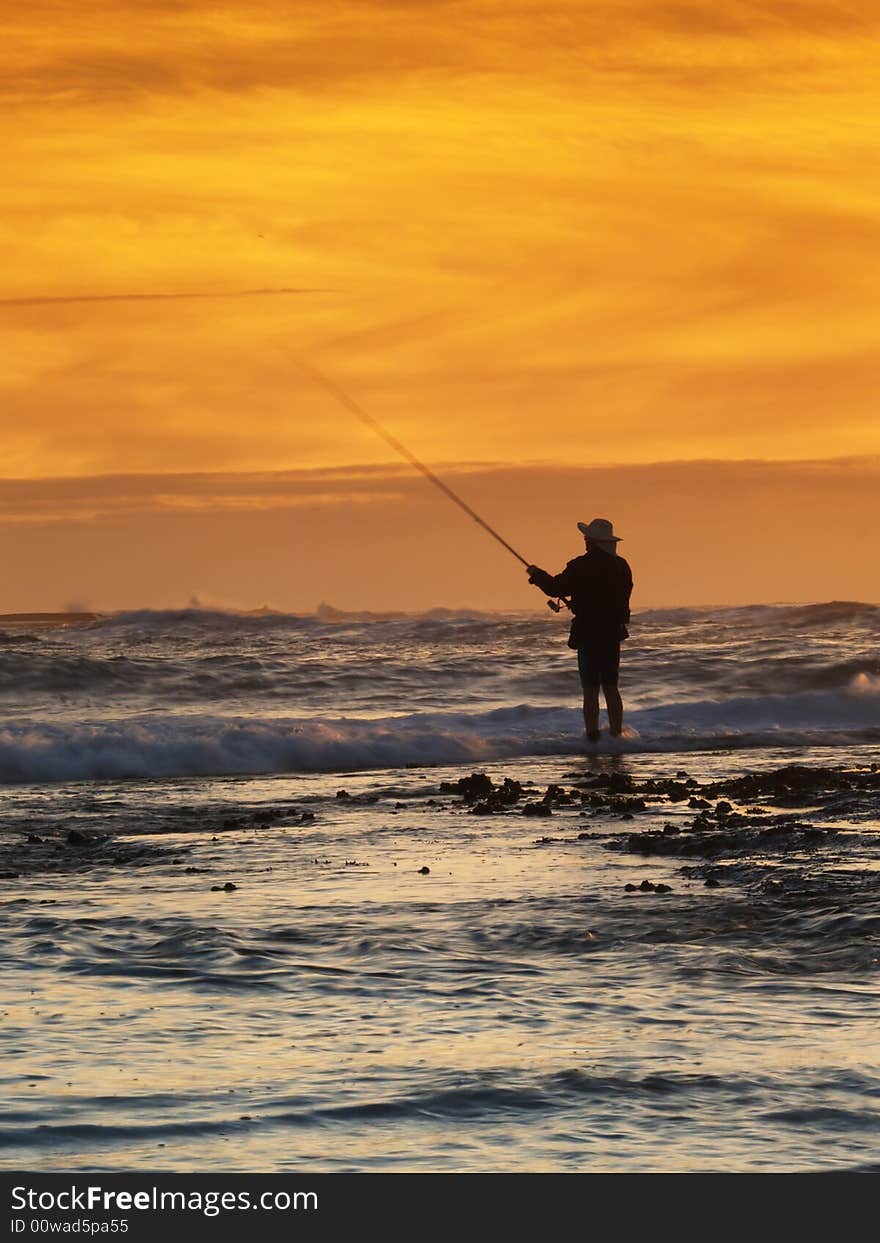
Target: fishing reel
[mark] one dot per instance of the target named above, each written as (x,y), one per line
(555,605)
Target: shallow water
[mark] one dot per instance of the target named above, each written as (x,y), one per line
(513,1009)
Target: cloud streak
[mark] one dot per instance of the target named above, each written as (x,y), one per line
(66,299)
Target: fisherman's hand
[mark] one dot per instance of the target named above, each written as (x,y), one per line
(532,570)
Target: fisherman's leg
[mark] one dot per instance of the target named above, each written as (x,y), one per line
(610,689)
(591,712)
(590,684)
(614,704)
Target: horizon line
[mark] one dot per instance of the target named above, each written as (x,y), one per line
(95,614)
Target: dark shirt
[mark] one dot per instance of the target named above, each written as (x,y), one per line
(599,585)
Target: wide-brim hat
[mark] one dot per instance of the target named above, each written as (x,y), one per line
(599,529)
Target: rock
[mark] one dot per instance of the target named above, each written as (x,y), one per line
(712,883)
(33,839)
(476,786)
(663,889)
(75,838)
(676,793)
(559,795)
(424,871)
(500,798)
(723,808)
(342,794)
(630,888)
(537,809)
(647,887)
(227,888)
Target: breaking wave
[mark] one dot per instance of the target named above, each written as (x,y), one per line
(213,692)
(201,745)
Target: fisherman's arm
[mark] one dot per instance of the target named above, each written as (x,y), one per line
(550,584)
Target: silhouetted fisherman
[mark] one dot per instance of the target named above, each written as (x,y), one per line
(598,586)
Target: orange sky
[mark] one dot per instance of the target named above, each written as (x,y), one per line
(538,232)
(355,537)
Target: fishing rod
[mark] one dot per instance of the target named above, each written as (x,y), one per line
(345,399)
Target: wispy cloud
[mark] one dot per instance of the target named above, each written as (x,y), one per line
(64,300)
(312,46)
(628,230)
(92,498)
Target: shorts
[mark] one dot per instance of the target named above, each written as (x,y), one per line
(599,664)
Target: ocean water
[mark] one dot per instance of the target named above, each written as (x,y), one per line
(406,976)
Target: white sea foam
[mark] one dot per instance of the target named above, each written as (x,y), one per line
(190,745)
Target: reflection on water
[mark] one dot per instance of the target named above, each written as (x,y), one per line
(515,1007)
